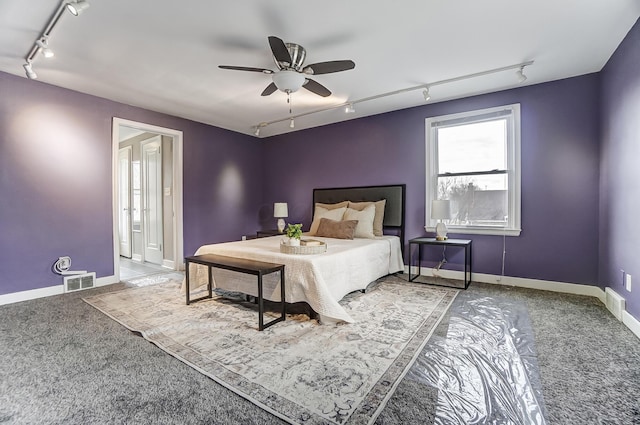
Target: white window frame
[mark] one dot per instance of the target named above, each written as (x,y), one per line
(513,226)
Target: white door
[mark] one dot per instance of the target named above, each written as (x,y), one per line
(152,200)
(124,201)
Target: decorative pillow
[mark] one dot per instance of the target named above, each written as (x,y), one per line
(333,206)
(365,221)
(378,220)
(334,214)
(344,229)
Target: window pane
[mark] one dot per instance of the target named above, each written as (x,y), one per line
(472,147)
(476,200)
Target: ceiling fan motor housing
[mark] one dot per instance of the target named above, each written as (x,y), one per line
(298,55)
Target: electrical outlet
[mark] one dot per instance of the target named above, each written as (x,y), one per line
(627,282)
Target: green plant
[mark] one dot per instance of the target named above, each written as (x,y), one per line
(294,231)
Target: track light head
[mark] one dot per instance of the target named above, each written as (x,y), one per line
(292,123)
(43,44)
(349,109)
(520,74)
(426,94)
(29,71)
(75,7)
(257,132)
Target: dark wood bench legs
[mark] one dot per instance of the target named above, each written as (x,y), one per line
(260,299)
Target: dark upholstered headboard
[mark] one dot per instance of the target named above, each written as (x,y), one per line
(394,208)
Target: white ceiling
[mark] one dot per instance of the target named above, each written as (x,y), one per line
(163,55)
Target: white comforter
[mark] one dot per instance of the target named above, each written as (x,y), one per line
(320,280)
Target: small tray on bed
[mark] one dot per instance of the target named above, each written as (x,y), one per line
(308,246)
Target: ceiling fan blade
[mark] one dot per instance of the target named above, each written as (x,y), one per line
(279,49)
(270,89)
(246,68)
(328,67)
(316,88)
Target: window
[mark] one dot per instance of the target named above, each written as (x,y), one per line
(473,160)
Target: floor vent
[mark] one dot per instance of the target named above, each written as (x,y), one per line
(79,281)
(614,303)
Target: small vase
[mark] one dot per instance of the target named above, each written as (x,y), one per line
(294,242)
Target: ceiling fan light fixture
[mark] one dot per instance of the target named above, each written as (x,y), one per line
(288,81)
(75,7)
(349,109)
(520,74)
(426,94)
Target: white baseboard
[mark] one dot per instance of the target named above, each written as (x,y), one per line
(631,322)
(545,285)
(136,257)
(49,291)
(169,264)
(31,294)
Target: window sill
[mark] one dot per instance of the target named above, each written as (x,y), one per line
(477,231)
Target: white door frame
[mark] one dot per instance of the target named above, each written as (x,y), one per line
(176,188)
(150,199)
(126,230)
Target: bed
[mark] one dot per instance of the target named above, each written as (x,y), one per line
(322,280)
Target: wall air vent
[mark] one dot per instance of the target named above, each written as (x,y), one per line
(614,302)
(79,281)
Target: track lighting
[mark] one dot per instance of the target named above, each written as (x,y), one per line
(29,71)
(43,44)
(426,94)
(75,7)
(257,132)
(349,107)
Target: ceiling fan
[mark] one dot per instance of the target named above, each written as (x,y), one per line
(291,75)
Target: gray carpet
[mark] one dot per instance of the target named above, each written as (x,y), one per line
(62,361)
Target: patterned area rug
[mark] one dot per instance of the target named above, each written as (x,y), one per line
(299,370)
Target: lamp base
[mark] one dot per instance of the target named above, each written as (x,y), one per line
(281,225)
(441,232)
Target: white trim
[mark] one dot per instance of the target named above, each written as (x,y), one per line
(178,230)
(631,322)
(107,280)
(137,257)
(49,291)
(31,294)
(513,163)
(544,285)
(169,264)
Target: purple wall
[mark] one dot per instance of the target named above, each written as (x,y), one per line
(620,170)
(55,186)
(560,159)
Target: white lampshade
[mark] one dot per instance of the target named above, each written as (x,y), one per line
(280,210)
(441,209)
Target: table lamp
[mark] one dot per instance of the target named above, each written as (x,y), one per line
(280,211)
(441,210)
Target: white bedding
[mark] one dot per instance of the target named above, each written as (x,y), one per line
(320,280)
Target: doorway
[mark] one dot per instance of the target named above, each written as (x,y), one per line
(147,195)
